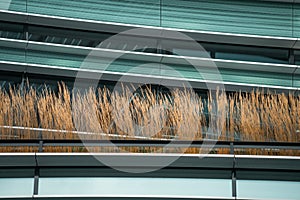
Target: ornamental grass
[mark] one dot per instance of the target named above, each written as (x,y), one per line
(98,113)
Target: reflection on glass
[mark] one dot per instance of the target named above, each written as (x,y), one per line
(13,5)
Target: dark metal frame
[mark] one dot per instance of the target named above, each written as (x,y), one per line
(231,145)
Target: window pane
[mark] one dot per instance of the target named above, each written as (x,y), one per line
(16,186)
(246,17)
(66,36)
(248,53)
(104,10)
(297,57)
(268,189)
(12,31)
(135,186)
(14,5)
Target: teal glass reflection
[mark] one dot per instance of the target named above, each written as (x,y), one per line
(135,186)
(13,5)
(268,189)
(130,12)
(245,17)
(69,60)
(241,17)
(296,20)
(16,186)
(12,54)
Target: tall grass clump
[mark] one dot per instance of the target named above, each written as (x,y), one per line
(98,113)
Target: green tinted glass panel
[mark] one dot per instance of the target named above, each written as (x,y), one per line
(242,17)
(296,20)
(123,11)
(13,5)
(155,69)
(12,54)
(247,17)
(77,58)
(296,80)
(256,77)
(230,75)
(54,59)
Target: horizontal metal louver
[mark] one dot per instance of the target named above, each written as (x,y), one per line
(124,11)
(246,17)
(64,60)
(242,17)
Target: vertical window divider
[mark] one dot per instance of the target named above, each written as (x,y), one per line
(233,173)
(160,12)
(36,177)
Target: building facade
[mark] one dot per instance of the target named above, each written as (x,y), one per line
(231,44)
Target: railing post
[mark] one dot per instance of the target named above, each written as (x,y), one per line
(233,178)
(36,177)
(41,143)
(231,148)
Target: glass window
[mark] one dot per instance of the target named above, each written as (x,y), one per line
(66,36)
(147,44)
(268,189)
(111,11)
(297,57)
(16,186)
(231,16)
(8,79)
(14,5)
(135,186)
(249,53)
(12,31)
